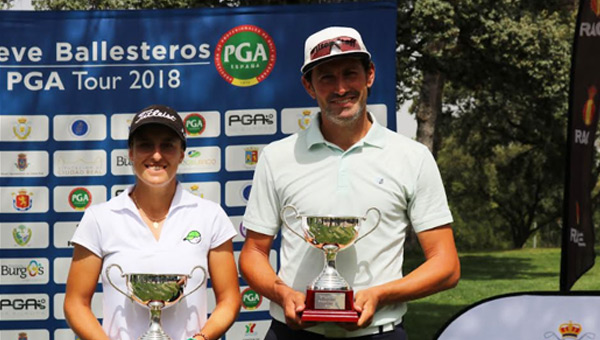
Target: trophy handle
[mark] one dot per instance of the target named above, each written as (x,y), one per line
(201,283)
(112,284)
(376,224)
(282,214)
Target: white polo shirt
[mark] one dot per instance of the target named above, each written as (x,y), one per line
(115,231)
(385,170)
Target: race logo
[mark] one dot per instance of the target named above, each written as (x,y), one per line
(251,332)
(80,128)
(22,200)
(193,237)
(80,198)
(251,328)
(21,235)
(251,300)
(589,109)
(245,55)
(21,162)
(195,124)
(22,336)
(250,156)
(304,121)
(595,4)
(22,128)
(570,331)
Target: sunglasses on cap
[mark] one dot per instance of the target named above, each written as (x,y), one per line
(344,44)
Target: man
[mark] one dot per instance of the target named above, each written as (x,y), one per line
(342,165)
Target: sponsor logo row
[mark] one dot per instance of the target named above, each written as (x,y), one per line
(36,271)
(204,124)
(35,199)
(35,235)
(85,163)
(15,307)
(242,330)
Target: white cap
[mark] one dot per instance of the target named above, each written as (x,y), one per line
(332,42)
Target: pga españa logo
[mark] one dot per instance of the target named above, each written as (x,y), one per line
(80,198)
(245,55)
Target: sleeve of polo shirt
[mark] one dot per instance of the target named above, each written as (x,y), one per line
(262,211)
(87,234)
(223,230)
(428,208)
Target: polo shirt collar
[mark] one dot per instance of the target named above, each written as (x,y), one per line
(375,137)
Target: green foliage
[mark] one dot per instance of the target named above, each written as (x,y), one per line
(6,4)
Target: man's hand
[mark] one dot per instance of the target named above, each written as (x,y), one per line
(365,303)
(292,303)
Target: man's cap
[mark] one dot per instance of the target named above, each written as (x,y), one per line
(332,42)
(161,115)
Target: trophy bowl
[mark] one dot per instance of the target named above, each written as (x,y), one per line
(329,298)
(155,292)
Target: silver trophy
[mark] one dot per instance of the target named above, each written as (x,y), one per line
(156,292)
(329,297)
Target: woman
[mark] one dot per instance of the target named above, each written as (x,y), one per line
(153,227)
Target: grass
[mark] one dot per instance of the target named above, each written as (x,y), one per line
(487,274)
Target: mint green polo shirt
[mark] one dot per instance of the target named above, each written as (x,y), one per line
(384,170)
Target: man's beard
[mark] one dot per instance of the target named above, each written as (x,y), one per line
(344,121)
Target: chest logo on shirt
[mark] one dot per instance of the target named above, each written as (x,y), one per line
(193,237)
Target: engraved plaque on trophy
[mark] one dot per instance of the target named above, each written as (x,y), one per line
(329,298)
(156,292)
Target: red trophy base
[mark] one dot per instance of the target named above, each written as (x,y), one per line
(330,306)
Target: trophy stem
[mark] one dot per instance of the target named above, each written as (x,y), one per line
(330,279)
(155,332)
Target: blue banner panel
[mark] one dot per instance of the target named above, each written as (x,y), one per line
(70,83)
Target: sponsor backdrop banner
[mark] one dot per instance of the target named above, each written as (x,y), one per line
(528,316)
(578,254)
(70,83)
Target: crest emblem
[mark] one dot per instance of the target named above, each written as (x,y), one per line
(22,128)
(250,156)
(22,200)
(304,120)
(21,162)
(21,235)
(22,336)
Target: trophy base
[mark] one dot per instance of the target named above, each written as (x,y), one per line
(321,315)
(330,306)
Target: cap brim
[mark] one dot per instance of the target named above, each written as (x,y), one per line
(354,54)
(148,123)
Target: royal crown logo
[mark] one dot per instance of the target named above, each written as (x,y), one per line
(570,331)
(22,128)
(22,200)
(589,109)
